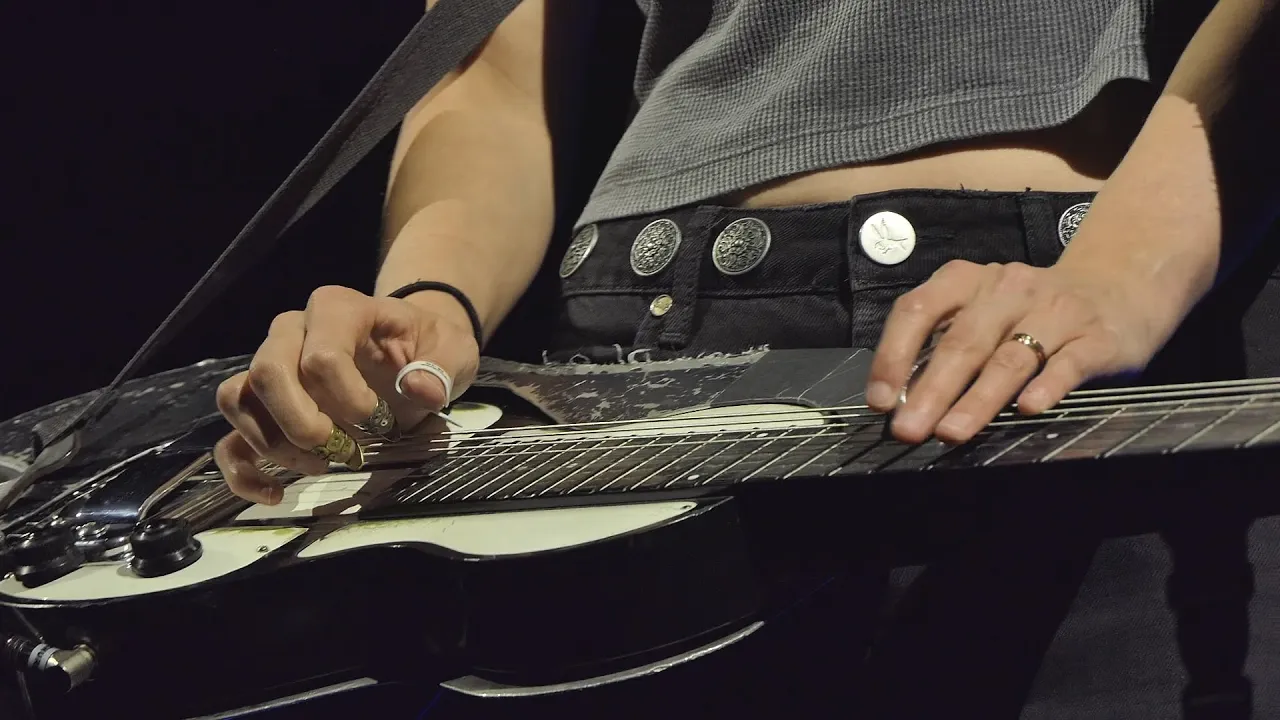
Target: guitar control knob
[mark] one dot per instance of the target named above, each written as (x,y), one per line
(162,546)
(44,554)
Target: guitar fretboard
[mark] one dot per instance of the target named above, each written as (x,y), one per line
(850,441)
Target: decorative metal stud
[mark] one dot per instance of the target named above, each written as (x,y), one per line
(654,247)
(1069,223)
(741,246)
(581,246)
(661,305)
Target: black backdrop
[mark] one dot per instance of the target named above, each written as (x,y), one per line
(142,136)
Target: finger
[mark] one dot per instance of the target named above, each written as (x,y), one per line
(1008,370)
(973,339)
(453,350)
(258,429)
(238,462)
(911,321)
(273,378)
(1079,361)
(335,322)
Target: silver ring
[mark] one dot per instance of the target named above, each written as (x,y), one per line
(381,422)
(428,367)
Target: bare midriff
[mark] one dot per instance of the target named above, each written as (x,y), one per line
(1075,157)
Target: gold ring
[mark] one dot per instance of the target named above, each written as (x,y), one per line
(381,422)
(1036,347)
(342,449)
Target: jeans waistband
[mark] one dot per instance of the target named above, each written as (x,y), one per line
(659,270)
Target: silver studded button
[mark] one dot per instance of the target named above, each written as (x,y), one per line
(1070,222)
(661,305)
(887,238)
(654,247)
(583,243)
(741,246)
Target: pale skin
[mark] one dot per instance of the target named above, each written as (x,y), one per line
(1106,307)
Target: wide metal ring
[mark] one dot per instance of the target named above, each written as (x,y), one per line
(1041,357)
(741,246)
(581,246)
(1069,223)
(342,449)
(381,422)
(654,247)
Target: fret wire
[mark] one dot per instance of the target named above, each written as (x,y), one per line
(547,457)
(444,480)
(682,456)
(582,468)
(528,487)
(1145,431)
(1003,452)
(751,452)
(614,462)
(424,479)
(1208,427)
(839,441)
(522,464)
(470,482)
(1258,438)
(1077,438)
(806,439)
(692,471)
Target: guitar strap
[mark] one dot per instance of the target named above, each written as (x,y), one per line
(439,42)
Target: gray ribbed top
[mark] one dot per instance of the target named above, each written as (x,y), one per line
(734,93)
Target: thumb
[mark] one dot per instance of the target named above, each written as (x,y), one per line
(439,370)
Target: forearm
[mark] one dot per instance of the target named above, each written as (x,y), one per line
(471,206)
(1199,183)
(470,199)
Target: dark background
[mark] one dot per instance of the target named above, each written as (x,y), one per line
(145,135)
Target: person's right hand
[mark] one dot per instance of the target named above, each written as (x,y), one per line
(329,364)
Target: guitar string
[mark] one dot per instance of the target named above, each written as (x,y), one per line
(518,446)
(553,434)
(1099,395)
(1223,388)
(338,477)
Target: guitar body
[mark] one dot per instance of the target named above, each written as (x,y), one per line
(585,524)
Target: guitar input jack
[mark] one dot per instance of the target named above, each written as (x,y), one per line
(67,668)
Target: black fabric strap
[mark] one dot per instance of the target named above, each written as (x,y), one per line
(437,44)
(461,297)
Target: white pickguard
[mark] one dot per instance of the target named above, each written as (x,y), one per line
(494,534)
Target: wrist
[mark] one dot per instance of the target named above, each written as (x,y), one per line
(457,308)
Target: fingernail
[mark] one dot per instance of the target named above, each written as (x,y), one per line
(880,395)
(421,386)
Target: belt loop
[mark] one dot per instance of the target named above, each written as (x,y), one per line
(1039,225)
(673,330)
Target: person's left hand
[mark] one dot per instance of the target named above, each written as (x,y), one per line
(1088,323)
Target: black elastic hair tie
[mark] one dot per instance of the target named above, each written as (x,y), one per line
(461,297)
